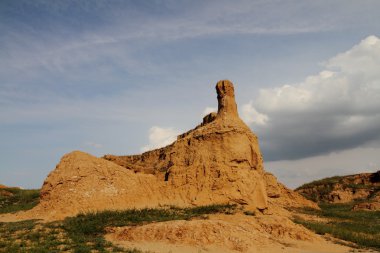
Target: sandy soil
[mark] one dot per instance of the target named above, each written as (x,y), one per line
(288,246)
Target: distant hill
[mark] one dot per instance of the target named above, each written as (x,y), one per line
(363,188)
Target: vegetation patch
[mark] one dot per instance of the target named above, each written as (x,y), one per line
(15,199)
(325,181)
(84,232)
(360,227)
(29,236)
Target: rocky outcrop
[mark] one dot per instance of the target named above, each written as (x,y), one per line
(359,187)
(227,107)
(371,204)
(219,161)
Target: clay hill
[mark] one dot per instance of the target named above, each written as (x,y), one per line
(217,162)
(363,188)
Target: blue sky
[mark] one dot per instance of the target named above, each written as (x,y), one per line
(120,77)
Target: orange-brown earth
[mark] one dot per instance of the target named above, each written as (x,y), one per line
(223,233)
(217,162)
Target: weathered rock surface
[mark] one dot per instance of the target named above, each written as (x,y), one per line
(219,161)
(372,204)
(344,189)
(82,183)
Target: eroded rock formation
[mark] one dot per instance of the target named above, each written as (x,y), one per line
(219,161)
(343,189)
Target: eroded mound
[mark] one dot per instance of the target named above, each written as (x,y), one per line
(237,232)
(222,233)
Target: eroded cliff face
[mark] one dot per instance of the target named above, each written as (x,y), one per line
(219,161)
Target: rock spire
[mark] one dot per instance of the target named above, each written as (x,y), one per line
(226,99)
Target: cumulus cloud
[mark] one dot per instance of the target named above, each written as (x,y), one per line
(251,116)
(208,110)
(336,109)
(160,137)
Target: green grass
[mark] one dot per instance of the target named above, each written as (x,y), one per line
(360,227)
(324,181)
(26,236)
(19,200)
(87,230)
(359,186)
(84,232)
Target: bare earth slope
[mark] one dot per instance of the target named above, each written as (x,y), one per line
(223,233)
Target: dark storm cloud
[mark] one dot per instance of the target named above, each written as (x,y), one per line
(334,110)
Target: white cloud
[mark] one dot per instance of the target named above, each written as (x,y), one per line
(351,80)
(65,54)
(251,116)
(333,110)
(93,144)
(208,110)
(160,137)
